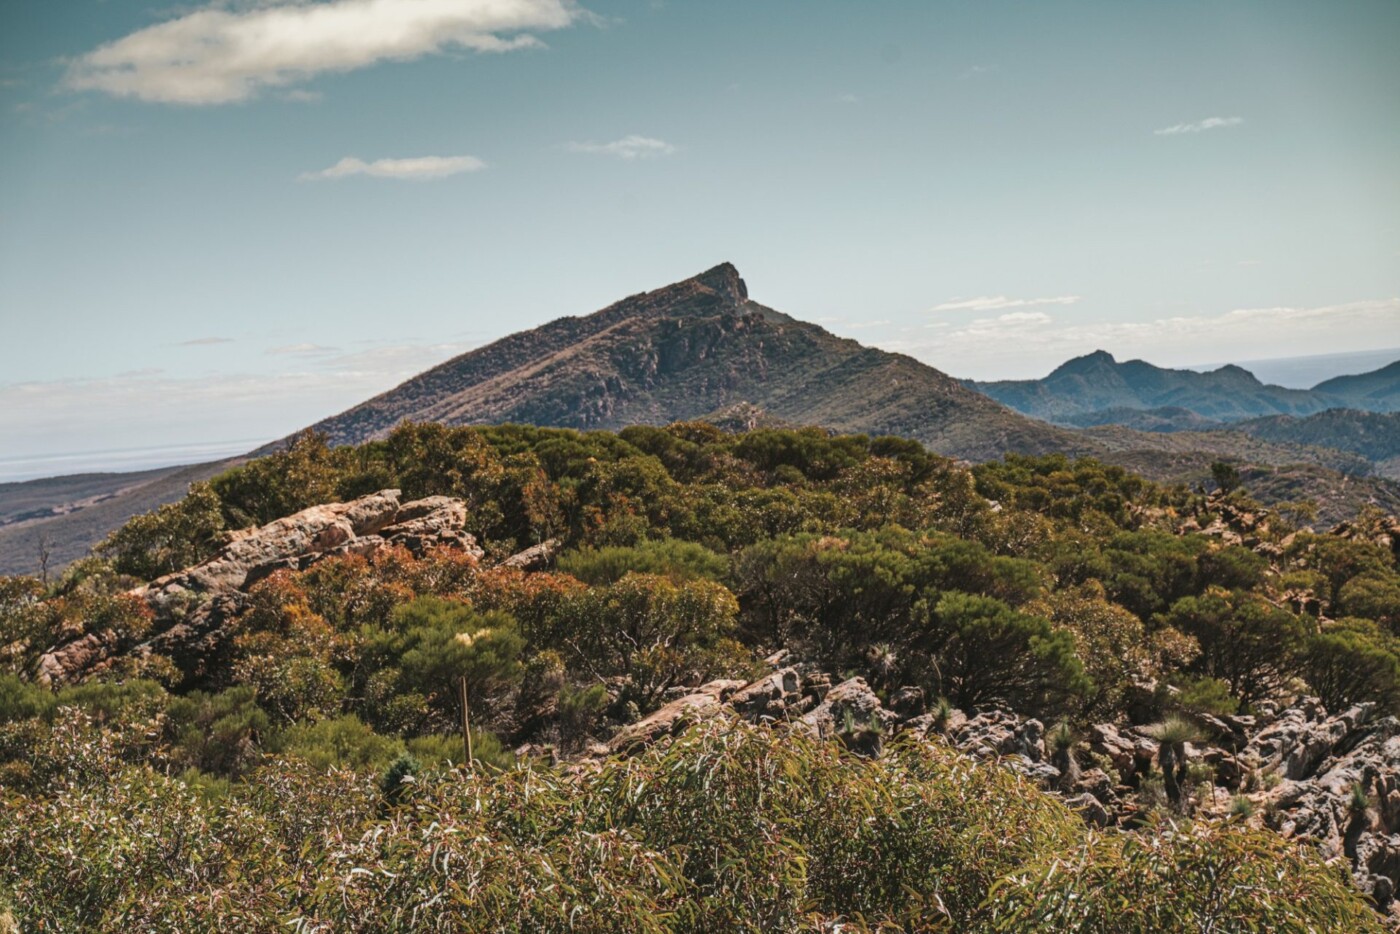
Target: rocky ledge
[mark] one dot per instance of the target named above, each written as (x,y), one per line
(191,606)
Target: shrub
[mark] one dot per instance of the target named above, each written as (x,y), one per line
(989,653)
(668,557)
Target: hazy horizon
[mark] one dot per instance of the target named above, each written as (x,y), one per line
(46,464)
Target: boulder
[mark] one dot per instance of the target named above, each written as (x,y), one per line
(1000,733)
(535,558)
(770,697)
(1089,808)
(850,710)
(67,663)
(705,702)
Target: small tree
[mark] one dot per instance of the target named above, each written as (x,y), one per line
(1172,735)
(1226,476)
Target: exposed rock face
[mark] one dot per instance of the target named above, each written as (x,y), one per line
(769,698)
(192,605)
(707,701)
(57,666)
(1325,762)
(362,526)
(1320,760)
(1295,744)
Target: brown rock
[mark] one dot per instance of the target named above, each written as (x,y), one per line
(535,558)
(706,702)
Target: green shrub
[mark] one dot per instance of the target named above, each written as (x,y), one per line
(669,557)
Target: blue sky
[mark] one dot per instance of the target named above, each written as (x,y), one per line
(221,222)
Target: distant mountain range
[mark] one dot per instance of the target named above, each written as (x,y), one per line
(1097,389)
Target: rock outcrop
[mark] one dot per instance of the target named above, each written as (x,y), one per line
(363,526)
(191,606)
(1339,787)
(707,701)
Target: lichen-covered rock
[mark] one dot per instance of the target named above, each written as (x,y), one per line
(1300,739)
(1000,733)
(535,558)
(850,710)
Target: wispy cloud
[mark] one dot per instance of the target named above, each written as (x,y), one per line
(1200,126)
(847,99)
(998,302)
(216,55)
(629,147)
(419,168)
(206,341)
(977,71)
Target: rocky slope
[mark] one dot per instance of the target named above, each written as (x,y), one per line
(1331,780)
(691,349)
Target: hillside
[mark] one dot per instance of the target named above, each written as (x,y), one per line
(1095,383)
(780,680)
(1371,435)
(1378,391)
(692,348)
(71,514)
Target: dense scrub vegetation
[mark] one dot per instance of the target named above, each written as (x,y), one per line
(313,774)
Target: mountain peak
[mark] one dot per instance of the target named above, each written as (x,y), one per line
(724,279)
(1238,373)
(1087,363)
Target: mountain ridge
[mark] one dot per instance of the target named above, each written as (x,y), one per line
(1084,388)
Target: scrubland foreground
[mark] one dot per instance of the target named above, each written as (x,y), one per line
(771,681)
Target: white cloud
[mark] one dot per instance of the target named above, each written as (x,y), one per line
(847,99)
(206,341)
(629,147)
(216,55)
(1023,344)
(998,302)
(418,168)
(1200,126)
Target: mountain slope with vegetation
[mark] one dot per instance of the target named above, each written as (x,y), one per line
(1371,435)
(689,349)
(56,521)
(777,680)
